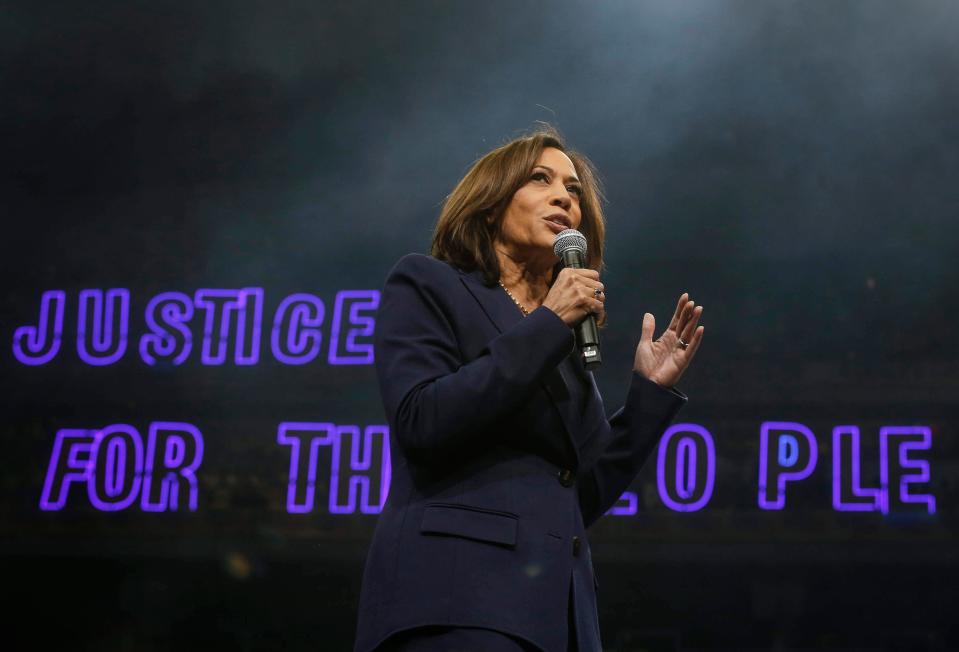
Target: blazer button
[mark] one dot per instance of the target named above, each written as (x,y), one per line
(576,545)
(566,478)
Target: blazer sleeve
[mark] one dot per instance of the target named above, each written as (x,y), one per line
(635,431)
(437,402)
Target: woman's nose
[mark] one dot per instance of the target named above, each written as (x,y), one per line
(562,199)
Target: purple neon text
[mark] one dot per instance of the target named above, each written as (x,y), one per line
(358,461)
(118,470)
(346,468)
(848,494)
(688,450)
(359,468)
(788,453)
(226,325)
(898,469)
(781,447)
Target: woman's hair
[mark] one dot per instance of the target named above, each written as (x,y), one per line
(472,215)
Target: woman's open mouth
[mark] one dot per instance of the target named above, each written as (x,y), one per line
(558,223)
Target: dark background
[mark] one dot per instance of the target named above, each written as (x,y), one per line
(793,165)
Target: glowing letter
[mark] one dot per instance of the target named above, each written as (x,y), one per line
(303,467)
(788,451)
(109,314)
(627,505)
(894,475)
(848,495)
(35,345)
(772,468)
(353,352)
(360,465)
(70,462)
(219,305)
(167,314)
(116,480)
(181,446)
(303,337)
(688,493)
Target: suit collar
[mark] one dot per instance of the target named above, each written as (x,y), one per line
(493,300)
(504,314)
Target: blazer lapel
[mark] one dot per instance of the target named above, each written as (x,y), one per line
(493,300)
(595,409)
(504,314)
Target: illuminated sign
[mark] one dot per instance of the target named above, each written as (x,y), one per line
(116,469)
(689,486)
(788,453)
(359,466)
(791,457)
(231,321)
(848,494)
(349,466)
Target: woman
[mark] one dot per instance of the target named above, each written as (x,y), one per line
(501,452)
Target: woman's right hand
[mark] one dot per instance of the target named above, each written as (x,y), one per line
(573,295)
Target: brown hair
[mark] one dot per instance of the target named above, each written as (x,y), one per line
(472,214)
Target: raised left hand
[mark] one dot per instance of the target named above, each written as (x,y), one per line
(664,360)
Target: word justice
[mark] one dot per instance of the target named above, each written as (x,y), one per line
(231,321)
(346,468)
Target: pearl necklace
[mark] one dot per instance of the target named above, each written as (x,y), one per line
(518,304)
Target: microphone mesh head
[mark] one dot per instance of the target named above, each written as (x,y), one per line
(569,239)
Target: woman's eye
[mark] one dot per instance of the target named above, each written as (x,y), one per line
(542,176)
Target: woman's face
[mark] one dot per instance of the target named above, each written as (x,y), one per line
(546,205)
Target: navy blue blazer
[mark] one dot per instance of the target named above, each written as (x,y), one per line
(493,485)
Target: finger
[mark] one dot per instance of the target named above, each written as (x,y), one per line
(649,327)
(598,292)
(679,309)
(694,343)
(581,273)
(690,327)
(591,292)
(573,276)
(592,285)
(684,317)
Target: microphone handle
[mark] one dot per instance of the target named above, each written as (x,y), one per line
(587,333)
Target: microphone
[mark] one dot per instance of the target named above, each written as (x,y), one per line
(570,246)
